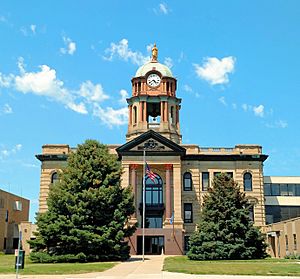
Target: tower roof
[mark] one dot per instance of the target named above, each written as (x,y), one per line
(154,65)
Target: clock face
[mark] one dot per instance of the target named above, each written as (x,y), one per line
(153,80)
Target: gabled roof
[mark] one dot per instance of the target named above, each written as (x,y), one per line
(164,146)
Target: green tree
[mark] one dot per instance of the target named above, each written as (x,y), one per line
(88,210)
(225,230)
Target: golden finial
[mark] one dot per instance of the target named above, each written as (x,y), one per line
(154,53)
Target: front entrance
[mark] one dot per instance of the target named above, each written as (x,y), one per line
(153,245)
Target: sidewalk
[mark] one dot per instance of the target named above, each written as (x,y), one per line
(135,268)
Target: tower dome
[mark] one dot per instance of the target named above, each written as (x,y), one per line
(156,66)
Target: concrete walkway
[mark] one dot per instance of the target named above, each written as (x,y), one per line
(135,268)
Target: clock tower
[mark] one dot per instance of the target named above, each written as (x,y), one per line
(153,104)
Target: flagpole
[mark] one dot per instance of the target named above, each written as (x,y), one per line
(144,205)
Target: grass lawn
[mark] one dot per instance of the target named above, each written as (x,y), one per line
(273,267)
(7,266)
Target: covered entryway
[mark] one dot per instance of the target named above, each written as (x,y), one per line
(153,245)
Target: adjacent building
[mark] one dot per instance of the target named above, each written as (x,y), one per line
(13,211)
(183,171)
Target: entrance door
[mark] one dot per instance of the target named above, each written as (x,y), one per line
(153,245)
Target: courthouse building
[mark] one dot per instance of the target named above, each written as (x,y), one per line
(183,171)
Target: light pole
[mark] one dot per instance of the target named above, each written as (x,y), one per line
(150,144)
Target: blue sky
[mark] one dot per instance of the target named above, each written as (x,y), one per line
(66,66)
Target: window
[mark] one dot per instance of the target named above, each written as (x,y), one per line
(280,189)
(295,241)
(277,213)
(18,205)
(267,189)
(134,115)
(251,212)
(188,213)
(205,181)
(153,221)
(187,181)
(154,190)
(54,178)
(247,181)
(186,242)
(286,243)
(1,203)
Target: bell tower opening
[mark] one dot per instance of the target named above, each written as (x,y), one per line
(153,104)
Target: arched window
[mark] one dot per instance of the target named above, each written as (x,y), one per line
(172,115)
(54,177)
(187,181)
(154,190)
(134,115)
(247,181)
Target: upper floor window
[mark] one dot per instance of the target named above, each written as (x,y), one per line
(154,190)
(18,205)
(205,181)
(187,181)
(188,213)
(54,178)
(247,181)
(281,189)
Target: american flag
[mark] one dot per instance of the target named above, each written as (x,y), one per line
(150,173)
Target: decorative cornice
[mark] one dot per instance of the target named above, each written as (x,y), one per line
(52,157)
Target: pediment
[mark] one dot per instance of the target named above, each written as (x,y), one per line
(152,142)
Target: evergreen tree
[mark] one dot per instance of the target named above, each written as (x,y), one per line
(225,230)
(88,211)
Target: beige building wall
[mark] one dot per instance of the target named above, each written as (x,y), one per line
(17,209)
(27,229)
(284,238)
(52,162)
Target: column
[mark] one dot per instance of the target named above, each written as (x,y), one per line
(145,111)
(140,112)
(130,115)
(168,191)
(177,195)
(133,182)
(162,118)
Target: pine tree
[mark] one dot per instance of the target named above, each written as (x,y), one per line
(88,211)
(225,230)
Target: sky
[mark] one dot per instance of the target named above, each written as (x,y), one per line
(66,69)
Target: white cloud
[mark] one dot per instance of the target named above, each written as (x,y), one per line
(234,106)
(33,28)
(45,83)
(6,152)
(259,110)
(187,88)
(92,92)
(278,124)
(163,8)
(222,101)
(110,116)
(124,95)
(84,100)
(6,80)
(168,62)
(216,71)
(7,109)
(246,107)
(70,46)
(122,51)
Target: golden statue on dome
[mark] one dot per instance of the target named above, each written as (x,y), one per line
(154,53)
